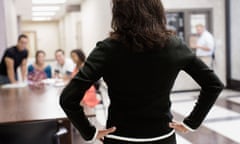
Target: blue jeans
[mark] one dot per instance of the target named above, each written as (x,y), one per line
(4,80)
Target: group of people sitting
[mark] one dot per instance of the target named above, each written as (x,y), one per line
(64,69)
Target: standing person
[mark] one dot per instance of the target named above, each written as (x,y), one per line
(90,97)
(205,45)
(39,70)
(13,58)
(140,103)
(63,67)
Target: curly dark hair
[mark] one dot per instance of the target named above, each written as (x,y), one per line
(140,24)
(22,36)
(80,54)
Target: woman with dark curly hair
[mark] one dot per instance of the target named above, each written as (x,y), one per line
(140,62)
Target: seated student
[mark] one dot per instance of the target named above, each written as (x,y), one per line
(90,98)
(39,70)
(63,67)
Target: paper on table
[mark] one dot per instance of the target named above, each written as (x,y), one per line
(17,85)
(59,84)
(49,81)
(54,82)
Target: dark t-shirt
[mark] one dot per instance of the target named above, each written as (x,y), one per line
(16,55)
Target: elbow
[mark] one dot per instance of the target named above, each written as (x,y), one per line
(69,97)
(217,88)
(214,88)
(62,100)
(221,86)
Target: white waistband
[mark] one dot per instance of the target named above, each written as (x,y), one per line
(141,139)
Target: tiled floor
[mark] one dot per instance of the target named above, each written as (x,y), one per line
(221,126)
(222,123)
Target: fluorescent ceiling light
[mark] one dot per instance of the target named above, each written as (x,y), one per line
(41,18)
(43,13)
(48,1)
(45,8)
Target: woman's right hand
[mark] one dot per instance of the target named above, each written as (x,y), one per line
(178,126)
(103,133)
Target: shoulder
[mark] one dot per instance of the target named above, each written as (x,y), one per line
(179,48)
(207,35)
(109,43)
(174,41)
(11,49)
(69,61)
(69,64)
(48,67)
(102,48)
(30,67)
(24,53)
(55,64)
(175,44)
(10,52)
(108,48)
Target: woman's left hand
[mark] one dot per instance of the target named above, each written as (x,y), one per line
(178,126)
(102,133)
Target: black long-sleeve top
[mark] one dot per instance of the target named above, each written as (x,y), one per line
(139,85)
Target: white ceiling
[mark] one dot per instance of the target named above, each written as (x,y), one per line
(24,8)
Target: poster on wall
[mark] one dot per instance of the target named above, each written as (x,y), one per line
(175,22)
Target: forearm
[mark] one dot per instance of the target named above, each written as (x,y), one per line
(211,87)
(205,102)
(10,69)
(11,76)
(70,102)
(24,72)
(24,69)
(204,48)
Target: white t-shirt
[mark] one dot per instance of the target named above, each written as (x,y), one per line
(65,69)
(206,40)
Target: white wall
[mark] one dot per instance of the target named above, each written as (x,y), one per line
(11,22)
(52,35)
(2,30)
(96,22)
(69,34)
(235,37)
(8,25)
(47,35)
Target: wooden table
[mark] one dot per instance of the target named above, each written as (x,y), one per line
(28,104)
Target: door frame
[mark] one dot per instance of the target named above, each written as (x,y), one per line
(231,83)
(31,50)
(187,13)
